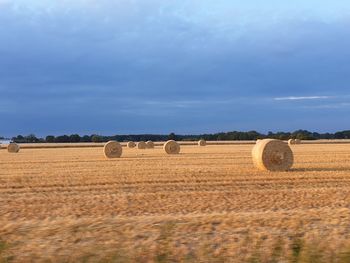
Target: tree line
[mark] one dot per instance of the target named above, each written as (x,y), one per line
(222,136)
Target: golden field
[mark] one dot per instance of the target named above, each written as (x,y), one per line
(207,204)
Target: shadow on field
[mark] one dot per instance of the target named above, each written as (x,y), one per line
(321,169)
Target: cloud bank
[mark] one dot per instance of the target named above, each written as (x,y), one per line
(303,98)
(161,66)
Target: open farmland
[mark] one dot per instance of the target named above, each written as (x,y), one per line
(206,204)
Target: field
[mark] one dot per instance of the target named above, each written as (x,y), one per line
(207,204)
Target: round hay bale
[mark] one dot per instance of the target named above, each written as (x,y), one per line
(297,141)
(141,145)
(112,149)
(13,147)
(291,141)
(202,142)
(131,145)
(171,147)
(150,144)
(272,155)
(258,140)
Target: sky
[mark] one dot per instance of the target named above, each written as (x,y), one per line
(189,66)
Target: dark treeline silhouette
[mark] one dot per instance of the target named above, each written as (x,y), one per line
(222,136)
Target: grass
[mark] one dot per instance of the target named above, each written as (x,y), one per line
(4,255)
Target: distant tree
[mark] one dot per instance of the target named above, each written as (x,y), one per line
(172,136)
(303,135)
(339,135)
(96,138)
(232,135)
(31,138)
(85,138)
(18,138)
(220,137)
(342,135)
(62,138)
(327,136)
(253,135)
(346,134)
(74,138)
(50,138)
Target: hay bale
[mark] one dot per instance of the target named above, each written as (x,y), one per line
(171,147)
(150,144)
(258,140)
(202,142)
(291,141)
(141,145)
(13,147)
(131,145)
(112,149)
(297,141)
(272,155)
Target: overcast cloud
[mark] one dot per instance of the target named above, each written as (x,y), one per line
(133,66)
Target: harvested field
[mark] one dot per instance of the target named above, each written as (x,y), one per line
(101,144)
(206,204)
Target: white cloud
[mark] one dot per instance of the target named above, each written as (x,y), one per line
(304,98)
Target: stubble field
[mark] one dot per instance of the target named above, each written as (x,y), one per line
(207,204)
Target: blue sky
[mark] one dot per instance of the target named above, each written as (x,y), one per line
(139,66)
